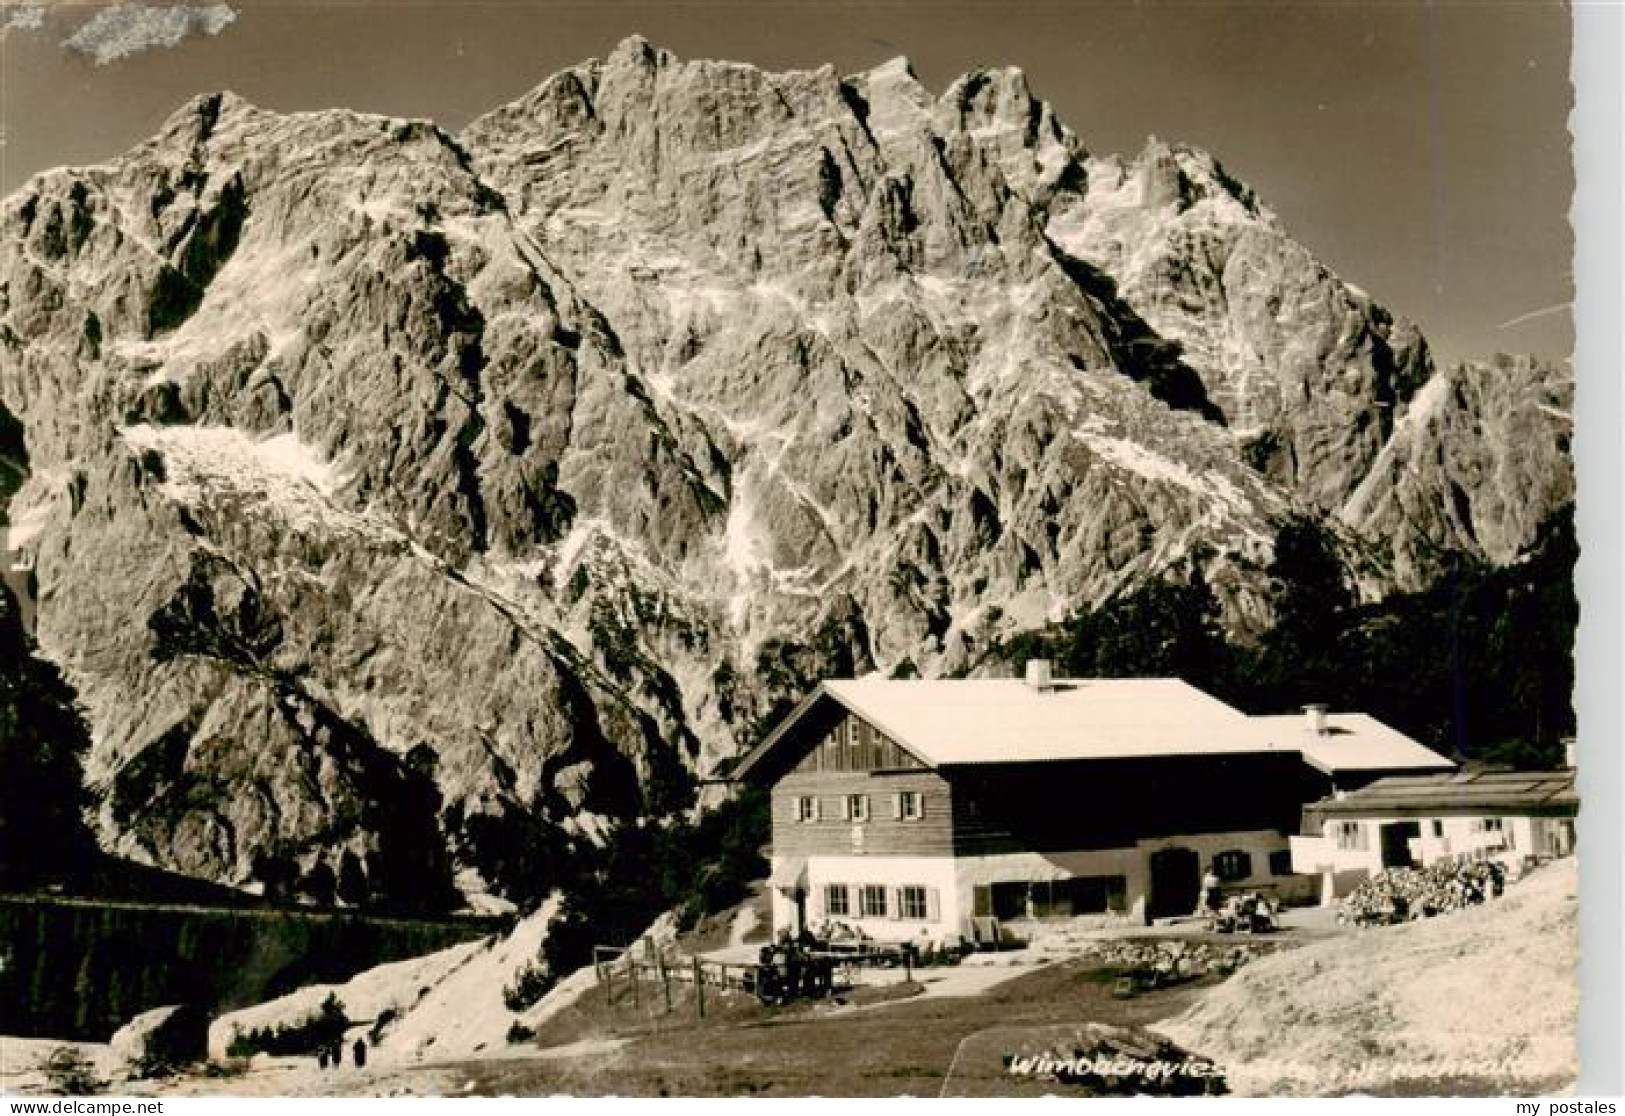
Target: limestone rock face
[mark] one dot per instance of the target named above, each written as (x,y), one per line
(1307,369)
(1477,459)
(384,487)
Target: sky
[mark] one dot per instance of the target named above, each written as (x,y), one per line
(1421,150)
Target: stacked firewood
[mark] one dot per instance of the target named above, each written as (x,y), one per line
(1402,894)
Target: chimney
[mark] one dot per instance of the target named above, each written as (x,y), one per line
(1571,754)
(1316,715)
(1038,676)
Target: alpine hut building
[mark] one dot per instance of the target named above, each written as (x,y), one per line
(908,808)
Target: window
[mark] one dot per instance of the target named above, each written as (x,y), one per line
(857,807)
(1489,825)
(1438,828)
(872,901)
(1350,836)
(910,805)
(806,808)
(835,901)
(1281,862)
(1232,864)
(911,900)
(1093,895)
(981,901)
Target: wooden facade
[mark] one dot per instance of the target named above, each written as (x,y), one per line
(851,744)
(1099,804)
(996,809)
(889,829)
(907,808)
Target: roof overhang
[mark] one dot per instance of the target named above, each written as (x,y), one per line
(1462,794)
(1444,766)
(757,757)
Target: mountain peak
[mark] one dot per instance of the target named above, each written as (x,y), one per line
(635,50)
(893,69)
(201,115)
(500,478)
(1178,175)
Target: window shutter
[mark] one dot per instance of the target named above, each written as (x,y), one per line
(818,809)
(933,905)
(894,903)
(846,807)
(919,805)
(897,806)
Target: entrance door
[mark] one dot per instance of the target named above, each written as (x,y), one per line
(1175,881)
(1396,843)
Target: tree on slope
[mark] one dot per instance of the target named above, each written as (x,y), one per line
(43,738)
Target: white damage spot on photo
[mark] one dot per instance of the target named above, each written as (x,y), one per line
(127,29)
(22,17)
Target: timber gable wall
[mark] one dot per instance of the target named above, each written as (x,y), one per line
(853,758)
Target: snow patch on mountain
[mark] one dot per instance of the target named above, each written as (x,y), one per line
(279,475)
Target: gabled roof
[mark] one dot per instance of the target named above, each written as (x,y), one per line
(950,722)
(1005,720)
(1351,742)
(1490,793)
(954,722)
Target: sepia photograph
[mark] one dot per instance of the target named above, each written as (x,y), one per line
(663,549)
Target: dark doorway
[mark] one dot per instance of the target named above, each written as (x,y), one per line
(1396,843)
(1175,880)
(1013,900)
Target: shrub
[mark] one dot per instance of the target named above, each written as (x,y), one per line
(71,1074)
(385,1018)
(532,983)
(518,1033)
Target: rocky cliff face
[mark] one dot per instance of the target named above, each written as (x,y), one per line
(380,481)
(1477,458)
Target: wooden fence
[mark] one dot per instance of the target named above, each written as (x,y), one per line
(642,963)
(634,966)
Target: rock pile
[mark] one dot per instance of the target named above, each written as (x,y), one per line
(1146,965)
(1403,894)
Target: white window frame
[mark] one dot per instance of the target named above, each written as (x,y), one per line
(906,909)
(867,909)
(833,890)
(910,805)
(1350,836)
(856,807)
(806,808)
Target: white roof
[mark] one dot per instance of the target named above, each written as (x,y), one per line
(1351,742)
(946,722)
(1005,720)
